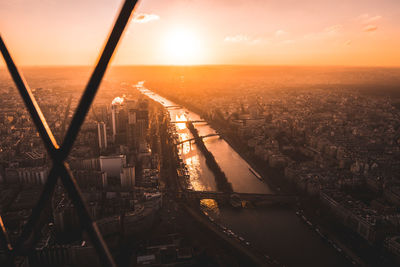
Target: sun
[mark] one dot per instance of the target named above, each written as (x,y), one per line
(182,47)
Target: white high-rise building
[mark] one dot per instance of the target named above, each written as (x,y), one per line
(114,121)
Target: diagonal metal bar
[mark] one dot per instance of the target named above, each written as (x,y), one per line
(77,198)
(6,242)
(46,135)
(60,167)
(97,75)
(40,205)
(4,236)
(84,216)
(30,102)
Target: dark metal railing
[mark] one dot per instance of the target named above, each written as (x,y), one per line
(58,153)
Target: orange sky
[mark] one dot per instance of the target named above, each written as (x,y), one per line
(250,32)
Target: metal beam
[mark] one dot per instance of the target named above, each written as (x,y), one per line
(57,154)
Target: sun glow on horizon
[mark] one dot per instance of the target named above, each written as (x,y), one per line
(71,33)
(182,46)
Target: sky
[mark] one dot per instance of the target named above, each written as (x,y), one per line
(193,32)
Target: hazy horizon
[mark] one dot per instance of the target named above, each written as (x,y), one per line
(211,65)
(286,32)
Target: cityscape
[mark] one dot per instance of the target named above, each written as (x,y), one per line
(316,166)
(273,144)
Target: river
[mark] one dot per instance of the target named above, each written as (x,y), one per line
(275,231)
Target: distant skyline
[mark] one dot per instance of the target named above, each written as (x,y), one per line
(206,32)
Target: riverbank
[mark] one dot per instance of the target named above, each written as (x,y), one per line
(251,257)
(194,224)
(220,178)
(281,227)
(266,175)
(272,177)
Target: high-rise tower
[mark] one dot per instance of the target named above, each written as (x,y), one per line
(102,135)
(114,121)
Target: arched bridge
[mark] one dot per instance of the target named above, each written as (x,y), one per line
(173,107)
(195,121)
(279,198)
(200,137)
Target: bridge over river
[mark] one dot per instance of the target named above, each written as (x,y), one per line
(194,138)
(172,106)
(194,121)
(229,196)
(277,231)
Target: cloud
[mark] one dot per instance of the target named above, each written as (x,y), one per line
(257,41)
(280,33)
(370,28)
(239,38)
(367,19)
(287,42)
(373,19)
(243,38)
(144,18)
(327,33)
(333,29)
